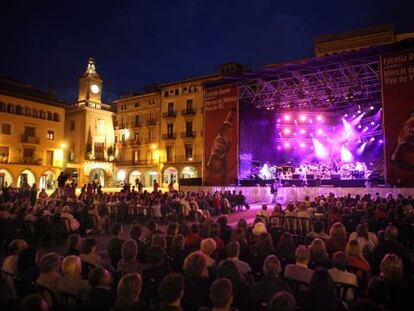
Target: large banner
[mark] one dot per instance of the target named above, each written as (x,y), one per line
(220,135)
(397,72)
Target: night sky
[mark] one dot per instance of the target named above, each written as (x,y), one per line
(139,42)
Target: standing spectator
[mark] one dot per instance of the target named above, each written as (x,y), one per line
(135,234)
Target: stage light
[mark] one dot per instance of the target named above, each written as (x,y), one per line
(360,150)
(346,115)
(346,155)
(302,145)
(372,123)
(365,129)
(359,111)
(319,132)
(287,145)
(286,131)
(302,131)
(359,126)
(320,150)
(372,139)
(294,134)
(286,117)
(278,147)
(302,118)
(353,116)
(319,118)
(381,141)
(359,141)
(278,120)
(372,107)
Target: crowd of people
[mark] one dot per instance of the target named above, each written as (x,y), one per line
(177,251)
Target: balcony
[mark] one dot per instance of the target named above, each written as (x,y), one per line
(137,124)
(169,114)
(191,134)
(30,139)
(4,159)
(169,136)
(151,122)
(136,162)
(135,142)
(194,158)
(31,160)
(188,111)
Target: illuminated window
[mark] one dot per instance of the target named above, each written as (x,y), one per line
(50,135)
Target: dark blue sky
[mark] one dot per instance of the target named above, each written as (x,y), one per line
(140,42)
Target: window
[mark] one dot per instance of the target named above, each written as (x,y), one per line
(136,137)
(116,138)
(135,156)
(6,129)
(137,121)
(72,125)
(35,113)
(49,157)
(4,154)
(72,152)
(28,153)
(150,135)
(188,129)
(123,137)
(170,108)
(56,117)
(50,135)
(188,152)
(99,150)
(136,105)
(170,129)
(166,94)
(49,116)
(169,151)
(177,91)
(29,131)
(189,104)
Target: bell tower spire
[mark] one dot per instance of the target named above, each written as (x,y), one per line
(90,86)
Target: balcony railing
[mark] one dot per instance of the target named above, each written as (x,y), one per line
(169,136)
(191,134)
(169,114)
(151,122)
(30,139)
(135,142)
(136,162)
(137,124)
(188,111)
(150,140)
(31,160)
(194,158)
(4,159)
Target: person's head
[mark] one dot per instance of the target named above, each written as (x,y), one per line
(33,302)
(195,265)
(228,269)
(128,290)
(377,290)
(88,246)
(129,250)
(271,266)
(158,239)
(392,267)
(318,249)
(71,265)
(194,228)
(286,242)
(16,246)
(171,288)
(259,228)
(318,226)
(362,231)
(118,230)
(322,284)
(50,262)
(340,260)
(208,246)
(135,232)
(391,233)
(233,249)
(99,277)
(282,301)
(172,229)
(302,255)
(27,259)
(338,231)
(74,241)
(221,293)
(177,242)
(353,248)
(155,255)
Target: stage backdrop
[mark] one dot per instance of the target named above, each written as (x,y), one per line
(397,72)
(220,135)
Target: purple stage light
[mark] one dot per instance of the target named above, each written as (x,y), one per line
(381,141)
(319,118)
(372,123)
(278,120)
(286,131)
(353,116)
(286,117)
(359,126)
(346,115)
(302,145)
(287,145)
(302,118)
(302,131)
(294,134)
(278,147)
(346,155)
(319,132)
(361,149)
(359,111)
(372,139)
(372,107)
(365,129)
(310,121)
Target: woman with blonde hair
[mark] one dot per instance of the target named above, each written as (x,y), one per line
(355,256)
(127,293)
(337,238)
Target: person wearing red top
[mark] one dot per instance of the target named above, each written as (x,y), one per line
(355,256)
(193,239)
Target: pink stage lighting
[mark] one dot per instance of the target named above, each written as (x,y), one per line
(287,145)
(302,145)
(346,155)
(286,117)
(302,131)
(381,141)
(319,118)
(372,123)
(320,151)
(319,132)
(278,147)
(372,107)
(361,149)
(302,118)
(286,131)
(372,139)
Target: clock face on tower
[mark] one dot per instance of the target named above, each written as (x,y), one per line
(95,89)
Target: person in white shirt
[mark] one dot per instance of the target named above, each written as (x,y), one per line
(340,275)
(233,252)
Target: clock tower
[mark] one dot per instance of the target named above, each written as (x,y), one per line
(90,87)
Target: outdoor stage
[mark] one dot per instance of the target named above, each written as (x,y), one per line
(285,194)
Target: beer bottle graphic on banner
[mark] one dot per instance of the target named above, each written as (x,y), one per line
(403,154)
(217,162)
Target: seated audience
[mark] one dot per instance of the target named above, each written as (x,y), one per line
(300,271)
(49,276)
(71,281)
(74,245)
(282,301)
(127,293)
(128,262)
(233,253)
(221,295)
(88,253)
(101,295)
(171,291)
